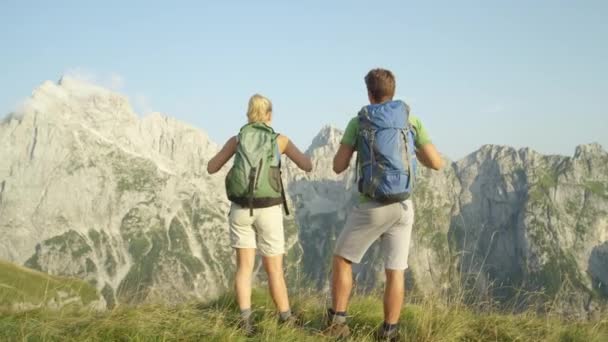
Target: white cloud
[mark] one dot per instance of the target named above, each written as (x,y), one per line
(113,80)
(81,74)
(116,81)
(20,105)
(17,110)
(141,103)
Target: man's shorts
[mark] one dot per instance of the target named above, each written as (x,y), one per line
(391,223)
(263,230)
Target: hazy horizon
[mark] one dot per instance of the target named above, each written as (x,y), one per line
(517,74)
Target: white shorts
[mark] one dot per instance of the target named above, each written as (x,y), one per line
(370,221)
(263,230)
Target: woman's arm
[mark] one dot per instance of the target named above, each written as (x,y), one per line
(223,156)
(292,152)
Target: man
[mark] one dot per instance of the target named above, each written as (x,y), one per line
(385,137)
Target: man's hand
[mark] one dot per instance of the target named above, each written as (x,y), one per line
(429,156)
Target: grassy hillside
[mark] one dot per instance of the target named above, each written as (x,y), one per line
(19,285)
(215,322)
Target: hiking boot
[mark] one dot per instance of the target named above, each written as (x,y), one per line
(336,326)
(337,330)
(247,327)
(389,335)
(292,321)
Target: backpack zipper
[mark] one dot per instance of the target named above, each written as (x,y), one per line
(259,171)
(252,174)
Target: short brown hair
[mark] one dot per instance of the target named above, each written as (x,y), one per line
(380,84)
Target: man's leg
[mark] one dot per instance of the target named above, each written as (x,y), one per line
(365,224)
(276,281)
(341,284)
(395,245)
(245,258)
(394,293)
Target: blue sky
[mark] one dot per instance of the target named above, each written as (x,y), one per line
(521,73)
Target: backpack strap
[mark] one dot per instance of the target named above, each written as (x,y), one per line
(406,137)
(283,195)
(362,112)
(357,168)
(278,152)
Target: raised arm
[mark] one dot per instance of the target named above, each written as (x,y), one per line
(429,156)
(343,157)
(223,156)
(292,152)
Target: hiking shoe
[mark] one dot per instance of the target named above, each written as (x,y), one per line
(247,327)
(390,335)
(337,330)
(336,326)
(292,321)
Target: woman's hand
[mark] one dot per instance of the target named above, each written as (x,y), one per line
(292,152)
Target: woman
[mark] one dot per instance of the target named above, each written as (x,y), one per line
(255,189)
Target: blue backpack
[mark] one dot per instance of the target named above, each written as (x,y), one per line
(386,157)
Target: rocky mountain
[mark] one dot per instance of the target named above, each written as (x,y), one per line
(88,189)
(92,191)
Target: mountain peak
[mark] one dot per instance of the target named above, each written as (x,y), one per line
(328,135)
(491,151)
(81,87)
(588,150)
(74,99)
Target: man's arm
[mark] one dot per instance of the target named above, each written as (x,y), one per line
(429,156)
(343,157)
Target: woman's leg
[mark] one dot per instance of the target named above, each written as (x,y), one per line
(271,244)
(276,281)
(245,258)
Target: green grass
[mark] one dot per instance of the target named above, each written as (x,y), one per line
(216,321)
(22,285)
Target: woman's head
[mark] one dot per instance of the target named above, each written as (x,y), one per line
(260,109)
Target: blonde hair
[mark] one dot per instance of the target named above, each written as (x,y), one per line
(259,109)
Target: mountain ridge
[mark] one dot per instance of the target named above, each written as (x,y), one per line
(91,190)
(82,89)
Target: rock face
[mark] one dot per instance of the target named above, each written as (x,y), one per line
(88,189)
(534,222)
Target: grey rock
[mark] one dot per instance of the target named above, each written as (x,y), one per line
(90,190)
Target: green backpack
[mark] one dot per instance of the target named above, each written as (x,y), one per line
(254,181)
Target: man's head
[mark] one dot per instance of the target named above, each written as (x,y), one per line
(259,110)
(380,85)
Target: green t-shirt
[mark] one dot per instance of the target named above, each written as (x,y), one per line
(421,137)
